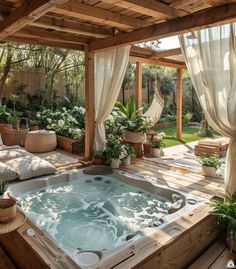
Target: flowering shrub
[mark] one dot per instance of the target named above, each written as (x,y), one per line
(127,150)
(65,122)
(114,124)
(158,141)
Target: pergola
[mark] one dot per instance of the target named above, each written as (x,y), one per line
(92,25)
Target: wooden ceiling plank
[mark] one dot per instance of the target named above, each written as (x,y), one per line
(32,32)
(198,20)
(72,27)
(30,10)
(99,15)
(150,8)
(41,41)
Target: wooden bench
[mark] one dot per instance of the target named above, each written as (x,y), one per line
(211,147)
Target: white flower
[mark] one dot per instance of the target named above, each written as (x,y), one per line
(82,110)
(64,108)
(76,108)
(49,120)
(61,123)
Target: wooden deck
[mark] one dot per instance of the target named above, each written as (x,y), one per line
(216,257)
(176,245)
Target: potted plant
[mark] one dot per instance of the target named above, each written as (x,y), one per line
(157,144)
(225,209)
(209,164)
(33,123)
(114,151)
(128,152)
(135,125)
(3,188)
(97,157)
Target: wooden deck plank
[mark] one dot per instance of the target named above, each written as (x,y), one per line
(223,259)
(5,262)
(210,256)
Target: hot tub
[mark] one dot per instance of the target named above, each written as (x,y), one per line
(101,220)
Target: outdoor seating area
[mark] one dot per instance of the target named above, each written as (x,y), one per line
(117,134)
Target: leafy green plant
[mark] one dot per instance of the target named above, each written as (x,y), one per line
(13,119)
(130,118)
(159,144)
(187,117)
(210,161)
(225,209)
(4,113)
(98,154)
(3,187)
(113,147)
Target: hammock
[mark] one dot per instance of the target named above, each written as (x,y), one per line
(155,109)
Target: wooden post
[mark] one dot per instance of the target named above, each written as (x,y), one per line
(179,104)
(89,103)
(139,92)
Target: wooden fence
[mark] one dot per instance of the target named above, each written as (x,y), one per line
(33,81)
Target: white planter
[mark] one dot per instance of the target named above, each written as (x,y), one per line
(115,163)
(208,171)
(156,152)
(126,161)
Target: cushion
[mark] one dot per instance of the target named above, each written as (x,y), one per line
(31,166)
(12,153)
(7,173)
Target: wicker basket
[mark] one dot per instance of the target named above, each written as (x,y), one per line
(7,210)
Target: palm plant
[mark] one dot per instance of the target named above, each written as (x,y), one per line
(225,209)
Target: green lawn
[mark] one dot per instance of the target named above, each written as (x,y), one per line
(189,135)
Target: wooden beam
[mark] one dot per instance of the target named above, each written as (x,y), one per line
(179,96)
(72,27)
(99,15)
(162,62)
(148,7)
(89,103)
(41,41)
(195,21)
(139,90)
(29,11)
(32,32)
(165,53)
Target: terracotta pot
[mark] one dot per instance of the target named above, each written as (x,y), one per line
(133,137)
(156,152)
(115,163)
(97,161)
(208,171)
(147,147)
(65,143)
(126,161)
(34,128)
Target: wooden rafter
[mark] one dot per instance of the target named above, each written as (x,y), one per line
(197,20)
(72,27)
(165,53)
(99,15)
(29,11)
(162,62)
(41,41)
(148,7)
(32,32)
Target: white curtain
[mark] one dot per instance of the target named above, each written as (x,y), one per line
(155,109)
(210,56)
(109,68)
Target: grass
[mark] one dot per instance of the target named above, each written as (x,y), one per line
(189,134)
